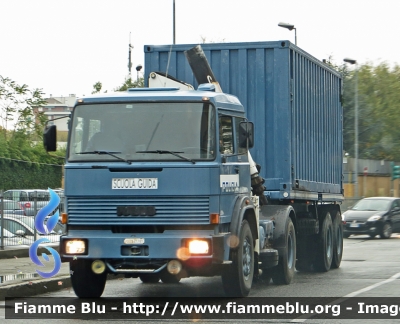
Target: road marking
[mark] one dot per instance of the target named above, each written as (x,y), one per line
(355,293)
(303,318)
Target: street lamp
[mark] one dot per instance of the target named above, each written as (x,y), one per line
(290,27)
(138,68)
(351,61)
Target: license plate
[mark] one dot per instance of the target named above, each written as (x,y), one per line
(354,225)
(134,183)
(135,240)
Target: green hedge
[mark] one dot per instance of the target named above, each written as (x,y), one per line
(26,175)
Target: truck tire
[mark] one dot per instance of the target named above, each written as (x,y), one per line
(337,241)
(148,278)
(168,278)
(85,282)
(323,260)
(238,278)
(283,273)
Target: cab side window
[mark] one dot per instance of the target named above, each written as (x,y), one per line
(241,150)
(225,135)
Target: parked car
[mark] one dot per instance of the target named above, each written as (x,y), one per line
(26,197)
(12,207)
(24,226)
(12,239)
(373,216)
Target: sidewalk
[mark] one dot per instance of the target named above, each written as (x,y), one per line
(18,276)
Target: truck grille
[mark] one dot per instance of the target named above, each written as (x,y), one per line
(169,210)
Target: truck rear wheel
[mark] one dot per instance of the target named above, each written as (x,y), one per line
(85,282)
(337,240)
(237,279)
(283,273)
(325,248)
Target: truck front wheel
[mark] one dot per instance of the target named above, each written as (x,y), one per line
(85,282)
(283,273)
(237,279)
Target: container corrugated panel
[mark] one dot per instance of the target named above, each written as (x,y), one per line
(292,98)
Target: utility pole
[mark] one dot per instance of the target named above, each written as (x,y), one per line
(129,57)
(173,22)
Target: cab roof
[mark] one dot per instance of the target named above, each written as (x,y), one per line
(219,99)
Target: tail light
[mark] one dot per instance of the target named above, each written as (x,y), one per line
(27,205)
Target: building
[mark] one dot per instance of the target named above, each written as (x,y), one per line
(57,107)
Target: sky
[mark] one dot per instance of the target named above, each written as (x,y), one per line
(65,46)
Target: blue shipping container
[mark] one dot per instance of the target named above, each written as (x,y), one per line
(293,100)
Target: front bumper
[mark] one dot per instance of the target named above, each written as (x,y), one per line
(368,228)
(146,253)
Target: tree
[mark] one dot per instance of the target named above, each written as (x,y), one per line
(129,83)
(379,103)
(97,87)
(22,127)
(16,107)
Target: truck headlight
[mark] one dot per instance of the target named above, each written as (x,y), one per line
(198,247)
(75,247)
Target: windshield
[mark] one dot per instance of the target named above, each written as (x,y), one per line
(140,131)
(372,204)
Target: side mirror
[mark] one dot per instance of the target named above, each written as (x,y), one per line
(246,135)
(50,138)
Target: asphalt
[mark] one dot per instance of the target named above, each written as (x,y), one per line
(18,276)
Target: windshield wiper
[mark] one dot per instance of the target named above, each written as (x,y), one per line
(112,153)
(168,152)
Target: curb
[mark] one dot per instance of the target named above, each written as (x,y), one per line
(31,287)
(23,252)
(35,287)
(42,286)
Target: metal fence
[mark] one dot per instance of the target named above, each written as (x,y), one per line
(17,221)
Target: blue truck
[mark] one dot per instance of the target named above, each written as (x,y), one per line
(181,180)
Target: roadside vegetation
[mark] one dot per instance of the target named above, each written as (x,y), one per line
(378,109)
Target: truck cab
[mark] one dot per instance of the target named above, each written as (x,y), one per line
(157,186)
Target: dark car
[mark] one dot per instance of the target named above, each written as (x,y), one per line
(373,216)
(11,207)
